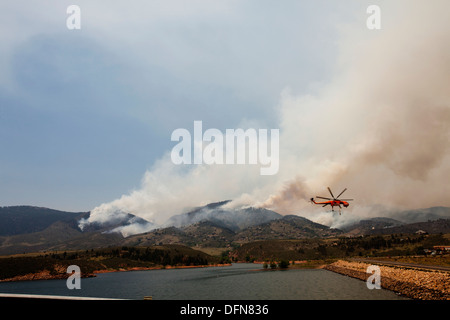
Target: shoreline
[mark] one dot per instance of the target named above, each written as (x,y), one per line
(160,268)
(416,284)
(412,283)
(46,275)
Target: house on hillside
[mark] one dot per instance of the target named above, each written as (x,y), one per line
(438,250)
(442,249)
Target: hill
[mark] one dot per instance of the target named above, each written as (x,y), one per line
(367,226)
(287,227)
(433,227)
(54,266)
(422,215)
(340,247)
(204,233)
(28,219)
(392,226)
(230,218)
(32,229)
(208,233)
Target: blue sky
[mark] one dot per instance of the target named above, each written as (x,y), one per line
(83,113)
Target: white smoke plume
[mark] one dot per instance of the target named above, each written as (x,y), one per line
(380,128)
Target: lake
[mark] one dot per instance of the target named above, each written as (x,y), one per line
(241,281)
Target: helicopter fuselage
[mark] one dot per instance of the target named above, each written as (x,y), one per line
(333,203)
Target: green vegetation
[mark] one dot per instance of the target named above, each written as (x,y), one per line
(276,254)
(283,264)
(117,258)
(334,248)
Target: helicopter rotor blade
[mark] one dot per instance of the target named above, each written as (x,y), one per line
(331,192)
(325,205)
(341,193)
(323,198)
(346,199)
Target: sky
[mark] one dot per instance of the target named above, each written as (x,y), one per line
(86,115)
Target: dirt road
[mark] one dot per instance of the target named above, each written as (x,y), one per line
(402,264)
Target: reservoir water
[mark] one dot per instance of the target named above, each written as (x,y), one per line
(236,282)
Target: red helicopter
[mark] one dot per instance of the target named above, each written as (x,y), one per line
(333,202)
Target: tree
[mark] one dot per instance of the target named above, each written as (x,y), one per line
(322,250)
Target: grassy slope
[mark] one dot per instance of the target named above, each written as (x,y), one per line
(314,249)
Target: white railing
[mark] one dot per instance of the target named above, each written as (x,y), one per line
(40,296)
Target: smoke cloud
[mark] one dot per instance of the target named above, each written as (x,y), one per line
(380,128)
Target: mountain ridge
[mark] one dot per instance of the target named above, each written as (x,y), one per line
(232,218)
(24,229)
(211,234)
(28,219)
